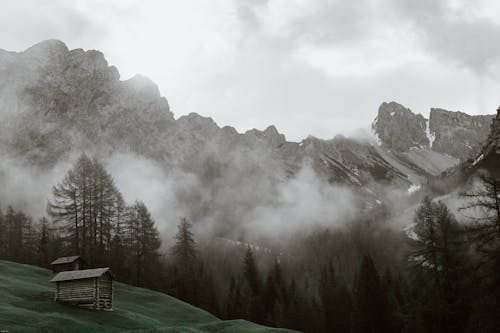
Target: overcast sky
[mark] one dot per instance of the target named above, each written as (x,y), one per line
(307,66)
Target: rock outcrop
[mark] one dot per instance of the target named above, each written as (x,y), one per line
(55,102)
(458,134)
(455,134)
(398,128)
(489,157)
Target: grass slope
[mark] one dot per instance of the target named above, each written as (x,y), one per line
(26,305)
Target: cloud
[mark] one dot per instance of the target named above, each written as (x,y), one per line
(309,67)
(456,31)
(27,22)
(28,188)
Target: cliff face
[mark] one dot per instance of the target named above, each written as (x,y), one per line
(400,129)
(55,102)
(489,156)
(456,134)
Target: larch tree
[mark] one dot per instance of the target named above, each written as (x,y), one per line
(483,232)
(438,257)
(86,203)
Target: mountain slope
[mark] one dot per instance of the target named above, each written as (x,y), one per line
(27,306)
(56,103)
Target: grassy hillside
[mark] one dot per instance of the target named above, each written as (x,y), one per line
(26,305)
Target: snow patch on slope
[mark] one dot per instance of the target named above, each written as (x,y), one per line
(374,133)
(414,188)
(478,159)
(430,136)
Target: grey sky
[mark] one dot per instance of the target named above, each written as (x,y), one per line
(306,66)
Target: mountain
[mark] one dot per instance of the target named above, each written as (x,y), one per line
(56,102)
(28,306)
(489,156)
(455,134)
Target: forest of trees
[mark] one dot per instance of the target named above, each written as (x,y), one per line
(442,276)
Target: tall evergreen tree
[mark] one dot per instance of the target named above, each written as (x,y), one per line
(145,242)
(484,234)
(44,243)
(3,235)
(439,254)
(185,263)
(336,302)
(252,287)
(372,311)
(234,305)
(274,297)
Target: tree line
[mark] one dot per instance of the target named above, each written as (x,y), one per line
(439,276)
(442,275)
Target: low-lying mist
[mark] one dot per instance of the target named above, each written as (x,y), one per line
(245,196)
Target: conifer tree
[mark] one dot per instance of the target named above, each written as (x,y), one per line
(86,203)
(372,312)
(274,297)
(336,301)
(234,307)
(252,287)
(484,235)
(438,256)
(185,263)
(145,242)
(3,235)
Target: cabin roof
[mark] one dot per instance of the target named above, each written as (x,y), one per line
(65,260)
(80,274)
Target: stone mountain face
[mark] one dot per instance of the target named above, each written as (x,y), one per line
(55,102)
(489,156)
(400,129)
(456,134)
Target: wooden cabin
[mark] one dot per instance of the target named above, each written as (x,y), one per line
(72,263)
(88,287)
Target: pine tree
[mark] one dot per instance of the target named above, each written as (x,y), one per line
(186,263)
(3,236)
(336,301)
(372,311)
(252,287)
(145,242)
(184,249)
(274,297)
(14,234)
(44,243)
(234,306)
(250,272)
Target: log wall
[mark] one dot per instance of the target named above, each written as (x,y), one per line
(94,292)
(76,291)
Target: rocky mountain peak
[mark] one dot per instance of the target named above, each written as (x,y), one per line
(270,135)
(143,85)
(452,133)
(46,49)
(399,129)
(489,156)
(458,134)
